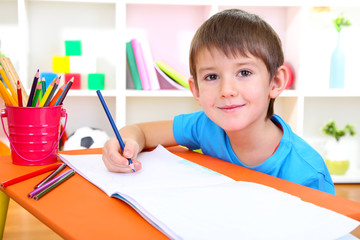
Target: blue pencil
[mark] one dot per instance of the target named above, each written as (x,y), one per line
(122,145)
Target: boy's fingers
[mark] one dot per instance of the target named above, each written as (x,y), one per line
(114,161)
(130,150)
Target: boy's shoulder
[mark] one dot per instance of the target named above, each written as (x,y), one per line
(295,143)
(300,152)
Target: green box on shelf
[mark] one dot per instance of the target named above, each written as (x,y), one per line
(96,81)
(73,48)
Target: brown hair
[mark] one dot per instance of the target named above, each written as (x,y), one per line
(237,32)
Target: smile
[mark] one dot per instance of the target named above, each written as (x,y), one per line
(231,108)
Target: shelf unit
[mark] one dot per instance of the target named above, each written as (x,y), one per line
(34,30)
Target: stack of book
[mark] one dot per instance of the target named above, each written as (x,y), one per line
(147,74)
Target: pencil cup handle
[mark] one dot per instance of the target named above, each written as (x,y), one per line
(4,114)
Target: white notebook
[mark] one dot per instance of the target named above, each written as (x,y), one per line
(187,201)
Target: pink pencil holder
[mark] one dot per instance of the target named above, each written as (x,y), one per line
(33,133)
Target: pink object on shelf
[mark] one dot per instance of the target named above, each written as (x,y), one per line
(140,62)
(77,80)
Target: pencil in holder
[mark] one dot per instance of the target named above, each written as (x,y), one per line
(33,133)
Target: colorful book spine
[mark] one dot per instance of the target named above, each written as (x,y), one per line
(149,65)
(141,64)
(132,66)
(172,73)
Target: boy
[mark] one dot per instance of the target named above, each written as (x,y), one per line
(236,63)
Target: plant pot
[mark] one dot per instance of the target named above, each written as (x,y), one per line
(337,167)
(337,157)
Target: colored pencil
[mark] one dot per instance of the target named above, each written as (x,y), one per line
(4,95)
(46,184)
(8,84)
(29,175)
(69,173)
(66,90)
(36,96)
(50,176)
(52,92)
(47,92)
(33,88)
(43,86)
(113,125)
(7,97)
(57,95)
(19,94)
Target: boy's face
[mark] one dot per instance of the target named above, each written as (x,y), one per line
(234,92)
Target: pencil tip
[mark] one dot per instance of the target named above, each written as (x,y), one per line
(132,167)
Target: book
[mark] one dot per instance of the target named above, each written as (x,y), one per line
(132,66)
(166,82)
(140,62)
(187,201)
(172,73)
(149,65)
(145,64)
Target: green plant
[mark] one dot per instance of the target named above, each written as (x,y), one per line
(331,129)
(341,22)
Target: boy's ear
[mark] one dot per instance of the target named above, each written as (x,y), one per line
(194,90)
(279,82)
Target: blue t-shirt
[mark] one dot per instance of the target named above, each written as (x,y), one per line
(294,160)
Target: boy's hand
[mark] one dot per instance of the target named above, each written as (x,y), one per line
(115,162)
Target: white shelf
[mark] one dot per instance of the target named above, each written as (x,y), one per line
(91,93)
(344,93)
(352,176)
(158,93)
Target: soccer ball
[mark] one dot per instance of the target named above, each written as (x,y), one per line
(86,137)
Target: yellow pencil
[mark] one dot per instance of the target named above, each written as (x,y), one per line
(47,93)
(7,82)
(6,100)
(7,97)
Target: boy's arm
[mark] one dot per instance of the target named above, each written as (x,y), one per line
(150,134)
(136,138)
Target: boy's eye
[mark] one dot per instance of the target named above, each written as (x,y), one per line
(211,77)
(244,73)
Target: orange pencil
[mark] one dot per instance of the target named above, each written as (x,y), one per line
(4,96)
(58,94)
(19,94)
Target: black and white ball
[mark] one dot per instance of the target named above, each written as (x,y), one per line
(86,137)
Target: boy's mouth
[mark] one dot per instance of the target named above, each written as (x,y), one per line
(230,108)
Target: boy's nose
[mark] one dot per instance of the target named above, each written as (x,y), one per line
(228,88)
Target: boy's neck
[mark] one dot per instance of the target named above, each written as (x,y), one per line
(255,145)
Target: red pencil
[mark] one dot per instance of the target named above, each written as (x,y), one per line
(29,175)
(19,94)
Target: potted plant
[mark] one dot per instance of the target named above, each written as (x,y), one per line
(336,151)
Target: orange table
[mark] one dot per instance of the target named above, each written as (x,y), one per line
(79,210)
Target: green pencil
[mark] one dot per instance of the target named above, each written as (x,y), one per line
(36,96)
(51,187)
